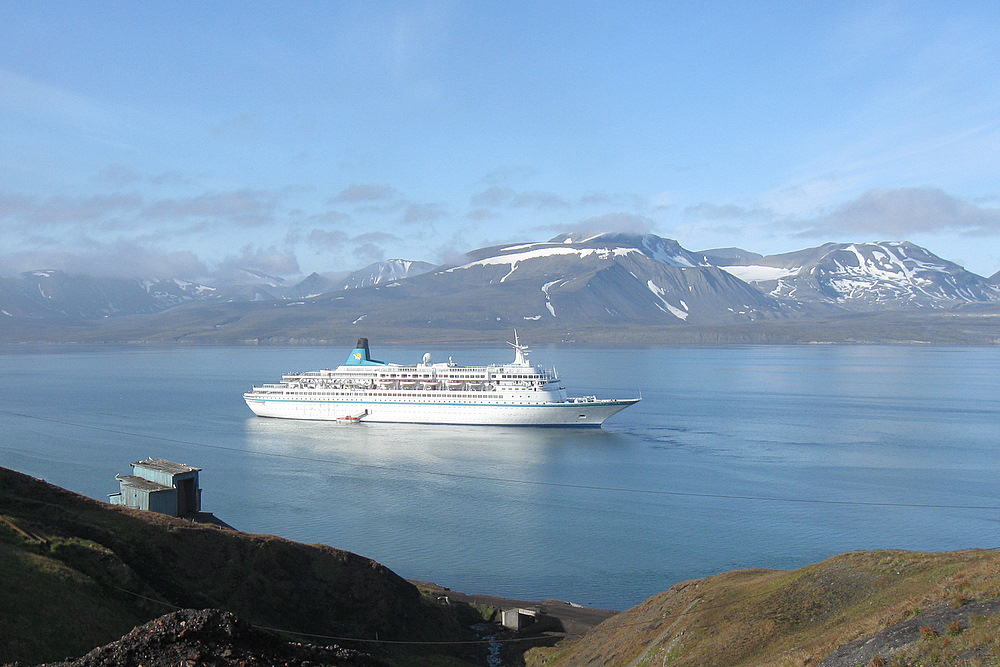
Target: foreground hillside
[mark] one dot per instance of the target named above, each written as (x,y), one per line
(150,589)
(864,608)
(78,573)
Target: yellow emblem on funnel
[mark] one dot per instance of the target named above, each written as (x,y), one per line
(357,355)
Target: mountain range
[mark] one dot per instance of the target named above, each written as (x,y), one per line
(596,288)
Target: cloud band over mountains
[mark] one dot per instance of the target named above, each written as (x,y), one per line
(133,234)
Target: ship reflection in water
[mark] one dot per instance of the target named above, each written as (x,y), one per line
(481,449)
(468,506)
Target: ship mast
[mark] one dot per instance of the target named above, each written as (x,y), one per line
(519,351)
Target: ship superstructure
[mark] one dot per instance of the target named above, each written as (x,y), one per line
(365,389)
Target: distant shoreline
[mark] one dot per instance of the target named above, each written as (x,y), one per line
(949,328)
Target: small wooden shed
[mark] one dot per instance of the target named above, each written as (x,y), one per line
(159,485)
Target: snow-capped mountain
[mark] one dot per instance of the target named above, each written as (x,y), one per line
(171,292)
(638,285)
(387,271)
(865,276)
(55,294)
(313,285)
(610,278)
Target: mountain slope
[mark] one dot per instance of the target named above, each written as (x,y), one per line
(54,294)
(608,279)
(865,276)
(384,272)
(914,608)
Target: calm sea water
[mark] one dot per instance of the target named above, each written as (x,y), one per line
(739,457)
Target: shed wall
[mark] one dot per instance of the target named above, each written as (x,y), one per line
(164,502)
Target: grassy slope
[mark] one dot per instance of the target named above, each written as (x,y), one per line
(767,617)
(49,610)
(80,585)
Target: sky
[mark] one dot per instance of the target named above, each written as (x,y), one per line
(196,139)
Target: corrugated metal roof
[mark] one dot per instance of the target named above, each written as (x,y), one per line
(166,466)
(142,484)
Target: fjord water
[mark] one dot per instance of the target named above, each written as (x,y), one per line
(740,457)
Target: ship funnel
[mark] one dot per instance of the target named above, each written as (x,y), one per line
(361,356)
(363,345)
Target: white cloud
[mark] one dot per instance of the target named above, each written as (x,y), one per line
(117,175)
(371,192)
(268,260)
(903,212)
(614,200)
(123,259)
(502,196)
(627,223)
(708,211)
(509,174)
(419,213)
(323,239)
(28,211)
(493,196)
(247,208)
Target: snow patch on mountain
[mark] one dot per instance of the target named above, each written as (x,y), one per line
(548,298)
(521,246)
(661,254)
(754,273)
(514,259)
(667,307)
(388,271)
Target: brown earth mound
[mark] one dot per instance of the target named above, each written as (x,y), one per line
(212,638)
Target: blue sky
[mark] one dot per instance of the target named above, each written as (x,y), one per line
(194,138)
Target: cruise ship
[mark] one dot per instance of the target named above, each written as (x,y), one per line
(367,390)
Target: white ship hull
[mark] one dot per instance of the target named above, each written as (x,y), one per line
(430,411)
(363,389)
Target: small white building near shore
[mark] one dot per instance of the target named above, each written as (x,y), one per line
(159,485)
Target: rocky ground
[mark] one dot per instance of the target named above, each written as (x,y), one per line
(212,638)
(938,621)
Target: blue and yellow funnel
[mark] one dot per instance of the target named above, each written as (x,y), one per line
(360,355)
